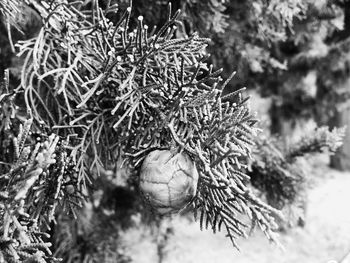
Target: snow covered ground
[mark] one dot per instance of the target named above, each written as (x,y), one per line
(324,239)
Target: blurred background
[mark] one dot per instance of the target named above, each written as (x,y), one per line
(293,57)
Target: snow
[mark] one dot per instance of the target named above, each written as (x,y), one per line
(324,239)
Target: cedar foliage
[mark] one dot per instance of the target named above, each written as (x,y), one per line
(95,89)
(92,91)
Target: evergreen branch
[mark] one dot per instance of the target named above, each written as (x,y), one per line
(319,141)
(138,93)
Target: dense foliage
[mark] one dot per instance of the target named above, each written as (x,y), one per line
(98,86)
(92,91)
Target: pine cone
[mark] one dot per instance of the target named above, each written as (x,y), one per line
(168,182)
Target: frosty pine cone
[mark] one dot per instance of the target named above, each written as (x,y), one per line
(167,182)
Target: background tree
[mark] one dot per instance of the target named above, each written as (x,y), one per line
(310,54)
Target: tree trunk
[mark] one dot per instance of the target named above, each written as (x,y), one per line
(341,159)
